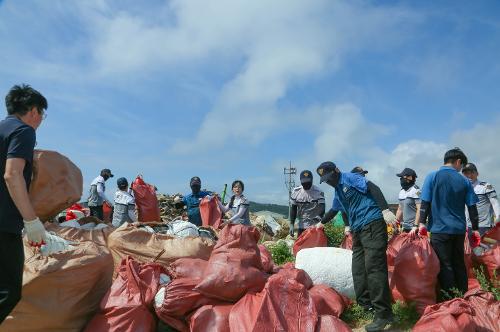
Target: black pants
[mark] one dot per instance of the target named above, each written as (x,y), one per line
(11,275)
(450,250)
(97,211)
(369,268)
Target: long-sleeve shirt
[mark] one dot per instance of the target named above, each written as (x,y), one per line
(97,195)
(239,206)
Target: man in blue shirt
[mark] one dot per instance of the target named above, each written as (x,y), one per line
(26,109)
(444,194)
(192,201)
(366,209)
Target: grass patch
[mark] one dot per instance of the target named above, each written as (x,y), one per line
(281,253)
(488,285)
(405,315)
(356,316)
(335,234)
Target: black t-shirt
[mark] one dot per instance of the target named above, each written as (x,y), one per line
(17,140)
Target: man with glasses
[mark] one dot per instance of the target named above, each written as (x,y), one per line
(444,194)
(26,110)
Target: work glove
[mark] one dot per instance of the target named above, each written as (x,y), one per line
(319,225)
(292,231)
(347,230)
(35,232)
(389,217)
(418,230)
(475,239)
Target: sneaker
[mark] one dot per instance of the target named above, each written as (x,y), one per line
(378,324)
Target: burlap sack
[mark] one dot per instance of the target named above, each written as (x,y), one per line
(131,240)
(61,292)
(97,236)
(56,184)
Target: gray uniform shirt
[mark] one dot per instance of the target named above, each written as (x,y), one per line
(487,207)
(124,210)
(408,200)
(96,188)
(308,205)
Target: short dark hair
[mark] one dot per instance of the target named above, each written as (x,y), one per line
(21,98)
(453,155)
(235,182)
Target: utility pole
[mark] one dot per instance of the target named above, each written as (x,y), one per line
(289,184)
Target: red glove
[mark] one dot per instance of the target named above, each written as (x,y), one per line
(475,239)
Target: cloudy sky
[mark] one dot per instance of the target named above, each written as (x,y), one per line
(235,89)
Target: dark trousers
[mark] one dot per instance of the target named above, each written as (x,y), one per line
(97,211)
(450,250)
(369,268)
(11,275)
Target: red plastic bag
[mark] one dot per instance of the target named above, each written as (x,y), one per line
(451,316)
(347,243)
(211,318)
(107,212)
(396,295)
(415,273)
(145,200)
(491,260)
(211,214)
(187,268)
(395,244)
(235,266)
(181,299)
(290,272)
(486,308)
(283,305)
(328,301)
(127,307)
(328,323)
(267,259)
(493,233)
(310,238)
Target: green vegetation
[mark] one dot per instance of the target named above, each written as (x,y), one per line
(281,253)
(335,234)
(488,285)
(281,209)
(356,316)
(405,315)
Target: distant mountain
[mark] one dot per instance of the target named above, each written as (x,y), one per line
(281,209)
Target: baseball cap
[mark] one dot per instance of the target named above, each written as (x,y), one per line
(306,176)
(407,172)
(122,182)
(469,167)
(107,171)
(358,169)
(325,169)
(195,181)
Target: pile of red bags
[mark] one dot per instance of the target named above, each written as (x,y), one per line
(145,200)
(310,238)
(234,291)
(127,307)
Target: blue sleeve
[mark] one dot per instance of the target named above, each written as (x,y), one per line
(470,195)
(22,143)
(356,181)
(426,194)
(336,205)
(185,199)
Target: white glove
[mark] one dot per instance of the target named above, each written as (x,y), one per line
(389,217)
(319,225)
(35,232)
(347,230)
(177,199)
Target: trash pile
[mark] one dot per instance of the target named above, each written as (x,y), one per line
(168,211)
(272,226)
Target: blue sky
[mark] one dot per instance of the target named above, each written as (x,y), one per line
(235,89)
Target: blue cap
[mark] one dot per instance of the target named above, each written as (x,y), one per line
(325,170)
(122,182)
(306,176)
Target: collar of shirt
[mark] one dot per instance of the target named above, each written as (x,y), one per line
(448,167)
(354,180)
